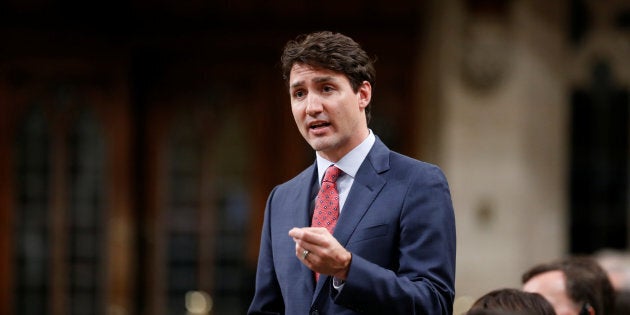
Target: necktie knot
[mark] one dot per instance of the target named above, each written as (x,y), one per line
(332,173)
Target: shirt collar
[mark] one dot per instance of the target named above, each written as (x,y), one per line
(350,162)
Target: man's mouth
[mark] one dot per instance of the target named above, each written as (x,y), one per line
(319,125)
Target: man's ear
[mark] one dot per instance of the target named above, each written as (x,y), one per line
(365,94)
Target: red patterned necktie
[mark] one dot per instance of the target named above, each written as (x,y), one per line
(327,201)
(326,210)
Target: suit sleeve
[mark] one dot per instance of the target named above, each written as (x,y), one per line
(423,280)
(267,296)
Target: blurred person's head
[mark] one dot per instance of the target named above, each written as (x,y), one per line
(617,265)
(511,302)
(574,286)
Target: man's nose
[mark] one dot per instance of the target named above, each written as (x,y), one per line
(313,104)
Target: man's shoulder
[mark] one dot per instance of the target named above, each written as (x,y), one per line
(382,154)
(412,166)
(399,158)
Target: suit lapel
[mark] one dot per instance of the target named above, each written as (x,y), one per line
(303,197)
(366,187)
(359,200)
(302,202)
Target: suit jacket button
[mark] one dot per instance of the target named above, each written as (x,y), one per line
(314,312)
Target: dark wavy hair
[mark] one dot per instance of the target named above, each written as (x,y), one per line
(512,302)
(332,51)
(586,281)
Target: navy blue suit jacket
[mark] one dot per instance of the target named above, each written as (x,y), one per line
(397,222)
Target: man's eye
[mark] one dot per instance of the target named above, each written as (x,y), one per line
(328,88)
(298,94)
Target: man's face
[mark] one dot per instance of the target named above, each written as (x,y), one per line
(328,113)
(552,285)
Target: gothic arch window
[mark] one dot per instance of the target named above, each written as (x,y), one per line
(600,127)
(85,219)
(183,214)
(599,164)
(32,255)
(59,221)
(204,212)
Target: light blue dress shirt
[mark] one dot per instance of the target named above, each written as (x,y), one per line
(349,164)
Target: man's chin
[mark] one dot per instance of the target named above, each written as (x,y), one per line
(318,149)
(319,145)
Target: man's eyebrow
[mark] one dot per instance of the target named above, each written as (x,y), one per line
(316,80)
(296,84)
(323,79)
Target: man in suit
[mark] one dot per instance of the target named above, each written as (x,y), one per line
(379,238)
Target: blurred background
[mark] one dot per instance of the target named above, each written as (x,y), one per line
(135,138)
